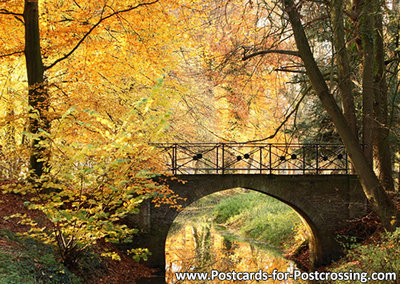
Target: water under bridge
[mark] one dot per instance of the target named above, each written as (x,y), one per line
(313,179)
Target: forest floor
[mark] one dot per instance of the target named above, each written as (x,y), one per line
(19,248)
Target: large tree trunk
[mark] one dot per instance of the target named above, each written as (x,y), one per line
(344,80)
(367,39)
(377,197)
(382,150)
(394,82)
(38,99)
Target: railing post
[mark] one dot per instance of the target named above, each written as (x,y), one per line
(304,160)
(347,162)
(217,159)
(270,159)
(260,159)
(174,159)
(316,158)
(223,158)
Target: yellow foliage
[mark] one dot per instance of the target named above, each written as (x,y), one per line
(121,74)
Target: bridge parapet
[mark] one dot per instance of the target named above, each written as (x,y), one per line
(255,158)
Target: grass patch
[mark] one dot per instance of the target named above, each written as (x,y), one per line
(200,209)
(259,217)
(235,205)
(26,260)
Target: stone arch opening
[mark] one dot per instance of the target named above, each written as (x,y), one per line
(324,202)
(314,243)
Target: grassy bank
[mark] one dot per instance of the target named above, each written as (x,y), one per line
(260,217)
(25,260)
(379,253)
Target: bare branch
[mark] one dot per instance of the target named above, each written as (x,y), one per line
(17,16)
(289,70)
(95,26)
(77,4)
(11,53)
(389,61)
(6,12)
(294,110)
(279,51)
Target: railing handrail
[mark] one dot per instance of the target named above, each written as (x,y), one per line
(266,158)
(243,143)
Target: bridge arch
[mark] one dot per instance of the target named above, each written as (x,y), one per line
(325,203)
(314,242)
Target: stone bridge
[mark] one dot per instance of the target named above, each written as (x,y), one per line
(325,203)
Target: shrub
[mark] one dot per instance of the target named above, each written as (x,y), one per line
(382,255)
(93,182)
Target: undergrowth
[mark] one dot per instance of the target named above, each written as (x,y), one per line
(26,260)
(379,255)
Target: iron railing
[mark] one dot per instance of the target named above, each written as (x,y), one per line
(255,158)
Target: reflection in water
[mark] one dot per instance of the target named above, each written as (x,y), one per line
(201,247)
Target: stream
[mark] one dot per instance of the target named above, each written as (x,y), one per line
(202,246)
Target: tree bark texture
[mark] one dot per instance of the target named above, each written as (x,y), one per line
(377,197)
(382,149)
(367,39)
(394,66)
(344,77)
(345,84)
(37,93)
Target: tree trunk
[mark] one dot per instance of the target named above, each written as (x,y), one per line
(344,81)
(367,39)
(38,99)
(394,82)
(377,197)
(382,150)
(356,7)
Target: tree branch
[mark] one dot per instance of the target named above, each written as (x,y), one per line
(95,26)
(6,12)
(11,53)
(16,15)
(389,61)
(289,70)
(263,52)
(294,110)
